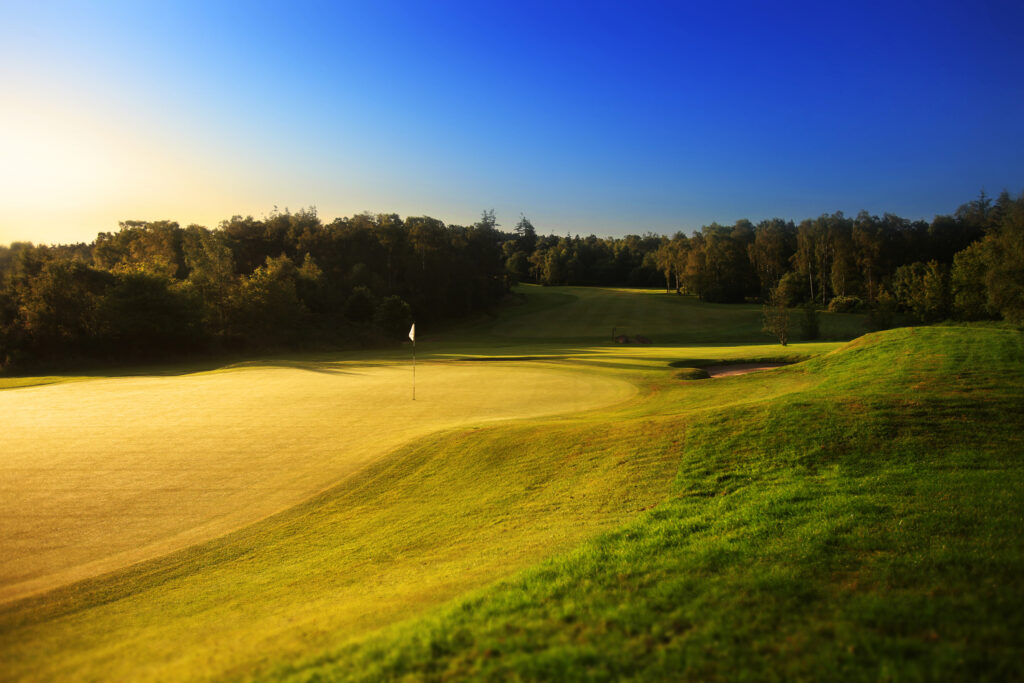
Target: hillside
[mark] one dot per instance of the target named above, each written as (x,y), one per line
(865,524)
(856,514)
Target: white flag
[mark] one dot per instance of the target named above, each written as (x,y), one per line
(412,332)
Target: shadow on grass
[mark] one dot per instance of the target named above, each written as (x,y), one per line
(51,374)
(715,362)
(598,351)
(323,367)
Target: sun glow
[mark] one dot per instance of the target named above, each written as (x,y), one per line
(71,173)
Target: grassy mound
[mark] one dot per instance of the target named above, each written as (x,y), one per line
(866,527)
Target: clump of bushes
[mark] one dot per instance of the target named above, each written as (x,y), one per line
(846,304)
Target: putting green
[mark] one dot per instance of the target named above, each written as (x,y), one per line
(101,474)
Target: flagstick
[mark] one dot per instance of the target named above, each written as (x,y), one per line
(412,337)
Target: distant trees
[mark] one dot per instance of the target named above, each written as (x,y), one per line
(154,287)
(969,282)
(771,252)
(923,288)
(998,260)
(393,316)
(359,305)
(265,308)
(142,246)
(143,313)
(58,303)
(969,265)
(526,236)
(572,260)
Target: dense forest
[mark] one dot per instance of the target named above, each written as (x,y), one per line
(154,288)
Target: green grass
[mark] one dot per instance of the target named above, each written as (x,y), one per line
(865,527)
(590,314)
(189,458)
(857,515)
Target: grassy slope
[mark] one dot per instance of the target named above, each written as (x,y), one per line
(802,563)
(865,526)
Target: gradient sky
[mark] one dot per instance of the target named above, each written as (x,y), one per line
(603,118)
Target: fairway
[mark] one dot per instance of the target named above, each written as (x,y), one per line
(574,314)
(100,474)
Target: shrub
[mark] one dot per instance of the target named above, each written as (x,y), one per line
(845,304)
(792,288)
(776,316)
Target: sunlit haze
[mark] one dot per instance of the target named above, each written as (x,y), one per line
(604,118)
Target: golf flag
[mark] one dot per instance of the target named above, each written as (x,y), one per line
(412,336)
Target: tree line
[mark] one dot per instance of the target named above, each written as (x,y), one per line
(155,288)
(969,265)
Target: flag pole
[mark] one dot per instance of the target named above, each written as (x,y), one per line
(412,336)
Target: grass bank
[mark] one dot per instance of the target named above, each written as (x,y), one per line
(865,526)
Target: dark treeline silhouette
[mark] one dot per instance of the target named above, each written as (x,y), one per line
(155,288)
(968,266)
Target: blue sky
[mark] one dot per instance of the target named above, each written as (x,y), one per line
(608,118)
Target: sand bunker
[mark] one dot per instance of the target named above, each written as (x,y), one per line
(739,369)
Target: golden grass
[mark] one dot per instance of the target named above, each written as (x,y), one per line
(101,474)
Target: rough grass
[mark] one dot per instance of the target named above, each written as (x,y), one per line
(853,516)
